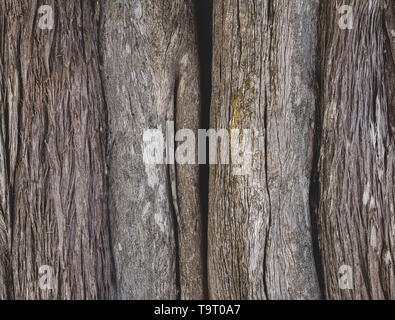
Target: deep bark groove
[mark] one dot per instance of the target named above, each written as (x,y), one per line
(203,15)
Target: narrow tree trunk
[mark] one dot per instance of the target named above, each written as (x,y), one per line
(260,244)
(356,166)
(53,196)
(150,77)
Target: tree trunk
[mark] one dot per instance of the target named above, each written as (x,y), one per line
(356,166)
(151,77)
(53,209)
(260,244)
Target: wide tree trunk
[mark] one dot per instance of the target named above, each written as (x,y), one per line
(151,76)
(53,209)
(356,165)
(260,243)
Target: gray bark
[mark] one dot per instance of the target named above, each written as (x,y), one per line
(151,75)
(260,244)
(356,166)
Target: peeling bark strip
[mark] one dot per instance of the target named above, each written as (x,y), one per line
(52,182)
(357,169)
(260,244)
(151,76)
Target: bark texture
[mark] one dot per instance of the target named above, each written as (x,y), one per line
(78,198)
(151,75)
(53,197)
(259,228)
(356,166)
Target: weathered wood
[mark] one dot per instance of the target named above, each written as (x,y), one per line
(77,196)
(53,194)
(151,76)
(356,166)
(260,244)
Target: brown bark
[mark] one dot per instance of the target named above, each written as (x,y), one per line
(356,165)
(53,193)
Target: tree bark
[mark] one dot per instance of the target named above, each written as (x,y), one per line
(312,217)
(259,228)
(53,207)
(356,165)
(151,76)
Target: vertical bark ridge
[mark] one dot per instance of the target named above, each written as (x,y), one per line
(188,193)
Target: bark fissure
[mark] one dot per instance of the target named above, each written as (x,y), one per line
(266,285)
(203,16)
(172,190)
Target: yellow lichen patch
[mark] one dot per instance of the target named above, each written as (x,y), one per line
(240,104)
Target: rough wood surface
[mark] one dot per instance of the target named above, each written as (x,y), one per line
(77,196)
(356,166)
(260,244)
(52,199)
(151,76)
